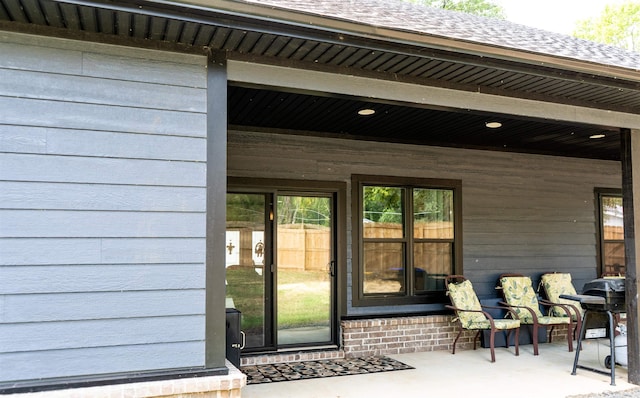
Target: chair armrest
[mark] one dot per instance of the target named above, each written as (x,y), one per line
(565,307)
(489,317)
(533,314)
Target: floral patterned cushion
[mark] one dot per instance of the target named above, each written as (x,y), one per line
(518,292)
(464,297)
(557,284)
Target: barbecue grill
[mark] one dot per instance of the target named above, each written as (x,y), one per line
(600,298)
(611,289)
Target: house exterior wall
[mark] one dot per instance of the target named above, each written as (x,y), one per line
(521,213)
(102,202)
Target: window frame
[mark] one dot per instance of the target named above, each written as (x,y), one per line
(410,296)
(600,193)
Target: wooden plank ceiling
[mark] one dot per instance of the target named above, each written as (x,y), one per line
(325,114)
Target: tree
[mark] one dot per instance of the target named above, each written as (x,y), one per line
(485,8)
(618,25)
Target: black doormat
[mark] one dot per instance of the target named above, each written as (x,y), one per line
(272,373)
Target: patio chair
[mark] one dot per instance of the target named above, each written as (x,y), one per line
(470,315)
(519,294)
(555,284)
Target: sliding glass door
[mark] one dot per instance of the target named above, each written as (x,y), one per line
(281,267)
(305,269)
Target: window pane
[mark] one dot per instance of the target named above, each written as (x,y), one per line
(614,260)
(612,221)
(383,268)
(432,214)
(432,262)
(382,212)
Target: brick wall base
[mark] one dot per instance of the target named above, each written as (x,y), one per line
(401,335)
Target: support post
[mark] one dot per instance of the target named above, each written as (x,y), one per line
(630,144)
(215,329)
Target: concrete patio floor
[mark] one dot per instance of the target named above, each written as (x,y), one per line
(467,373)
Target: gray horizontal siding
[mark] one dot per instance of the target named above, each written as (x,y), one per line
(70,196)
(40,54)
(77,169)
(102,201)
(93,90)
(25,279)
(99,333)
(71,115)
(61,251)
(101,360)
(521,213)
(105,224)
(102,305)
(57,141)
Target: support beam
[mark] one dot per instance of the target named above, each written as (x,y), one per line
(216,210)
(420,95)
(630,191)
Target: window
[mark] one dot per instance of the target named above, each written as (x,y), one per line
(408,238)
(611,230)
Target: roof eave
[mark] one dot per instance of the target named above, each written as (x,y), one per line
(401,37)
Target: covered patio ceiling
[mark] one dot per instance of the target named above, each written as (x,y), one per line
(323,114)
(250,32)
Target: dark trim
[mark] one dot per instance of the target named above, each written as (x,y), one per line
(631,149)
(215,330)
(388,301)
(105,380)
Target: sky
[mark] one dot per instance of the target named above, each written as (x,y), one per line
(554,15)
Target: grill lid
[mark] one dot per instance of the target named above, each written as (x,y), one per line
(611,289)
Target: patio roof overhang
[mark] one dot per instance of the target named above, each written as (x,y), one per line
(250,33)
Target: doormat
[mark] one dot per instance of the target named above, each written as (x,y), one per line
(272,373)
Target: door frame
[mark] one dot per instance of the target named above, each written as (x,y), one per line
(339,190)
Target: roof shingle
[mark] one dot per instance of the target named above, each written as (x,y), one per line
(408,17)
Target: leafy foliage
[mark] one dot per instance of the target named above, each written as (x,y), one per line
(618,25)
(383,204)
(485,8)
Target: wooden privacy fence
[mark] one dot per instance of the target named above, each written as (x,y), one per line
(309,248)
(304,249)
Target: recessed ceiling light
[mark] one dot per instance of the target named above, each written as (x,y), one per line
(595,136)
(493,125)
(366,112)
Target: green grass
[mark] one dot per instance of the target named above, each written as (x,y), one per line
(303,297)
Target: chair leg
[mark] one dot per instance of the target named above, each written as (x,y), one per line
(534,339)
(492,340)
(517,341)
(577,328)
(569,336)
(476,338)
(456,340)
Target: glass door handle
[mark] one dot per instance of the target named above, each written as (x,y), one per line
(332,268)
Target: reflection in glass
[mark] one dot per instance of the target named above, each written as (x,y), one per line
(614,259)
(432,262)
(432,214)
(382,212)
(613,235)
(383,268)
(304,283)
(245,256)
